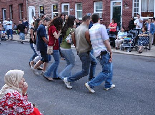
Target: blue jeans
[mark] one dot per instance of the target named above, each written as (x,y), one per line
(70,59)
(86,61)
(22,36)
(35,54)
(106,74)
(54,66)
(9,32)
(92,66)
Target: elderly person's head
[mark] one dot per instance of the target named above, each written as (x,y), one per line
(14,81)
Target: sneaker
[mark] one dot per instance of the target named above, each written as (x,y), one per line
(88,87)
(67,83)
(112,86)
(35,71)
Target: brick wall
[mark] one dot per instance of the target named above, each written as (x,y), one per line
(15,6)
(88,7)
(46,3)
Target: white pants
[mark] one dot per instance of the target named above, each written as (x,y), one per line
(118,42)
(37,58)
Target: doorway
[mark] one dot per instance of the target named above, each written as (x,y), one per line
(116,12)
(31,13)
(4,13)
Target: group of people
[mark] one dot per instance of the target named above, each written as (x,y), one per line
(88,47)
(7,27)
(90,44)
(142,39)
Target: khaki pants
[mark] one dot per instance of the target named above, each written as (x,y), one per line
(150,40)
(118,42)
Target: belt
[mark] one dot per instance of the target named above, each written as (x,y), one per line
(104,52)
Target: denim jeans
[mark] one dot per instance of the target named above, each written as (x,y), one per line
(86,60)
(106,74)
(92,66)
(54,66)
(35,54)
(22,36)
(9,32)
(70,59)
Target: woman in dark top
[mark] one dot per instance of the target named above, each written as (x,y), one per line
(131,24)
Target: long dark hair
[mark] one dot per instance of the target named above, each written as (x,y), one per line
(68,24)
(57,22)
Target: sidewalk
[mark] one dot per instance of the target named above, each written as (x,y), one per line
(147,53)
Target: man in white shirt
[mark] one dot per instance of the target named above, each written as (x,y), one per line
(102,51)
(138,22)
(9,28)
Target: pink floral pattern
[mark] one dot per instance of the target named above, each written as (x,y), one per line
(15,104)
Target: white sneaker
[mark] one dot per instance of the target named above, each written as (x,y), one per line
(35,71)
(88,87)
(67,83)
(112,86)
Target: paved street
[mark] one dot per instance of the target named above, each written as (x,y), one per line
(134,77)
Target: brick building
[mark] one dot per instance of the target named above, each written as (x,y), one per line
(39,7)
(13,9)
(121,10)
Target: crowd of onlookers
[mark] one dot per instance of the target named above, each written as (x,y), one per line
(143,39)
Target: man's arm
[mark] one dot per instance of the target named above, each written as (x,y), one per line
(107,45)
(73,39)
(87,37)
(45,40)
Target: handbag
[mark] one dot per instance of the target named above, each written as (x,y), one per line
(50,49)
(69,37)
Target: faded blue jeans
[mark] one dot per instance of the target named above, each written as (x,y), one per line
(34,52)
(53,68)
(86,59)
(10,32)
(106,74)
(70,59)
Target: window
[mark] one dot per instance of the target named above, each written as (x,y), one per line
(78,11)
(20,11)
(143,7)
(54,10)
(41,10)
(147,8)
(98,7)
(65,8)
(11,12)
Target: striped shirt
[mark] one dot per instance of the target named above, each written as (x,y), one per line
(98,34)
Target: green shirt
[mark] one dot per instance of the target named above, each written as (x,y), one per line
(64,44)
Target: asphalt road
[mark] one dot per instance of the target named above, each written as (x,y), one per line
(134,77)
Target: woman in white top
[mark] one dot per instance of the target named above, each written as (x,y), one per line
(120,37)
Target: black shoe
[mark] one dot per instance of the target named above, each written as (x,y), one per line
(22,42)
(57,78)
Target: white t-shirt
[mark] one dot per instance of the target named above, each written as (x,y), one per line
(10,25)
(138,23)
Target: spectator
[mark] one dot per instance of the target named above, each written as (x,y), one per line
(151,29)
(9,28)
(120,37)
(138,23)
(143,39)
(26,24)
(21,31)
(5,24)
(131,24)
(13,95)
(113,27)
